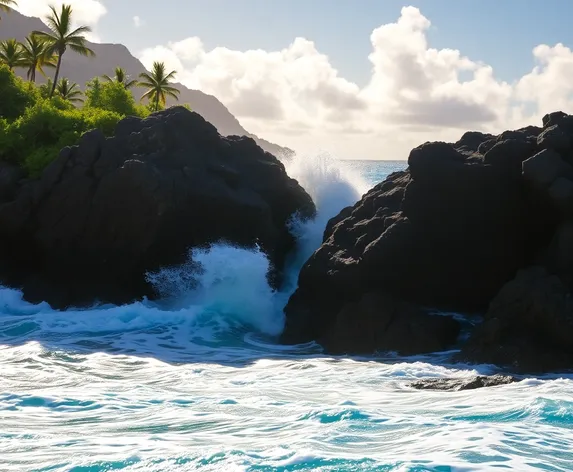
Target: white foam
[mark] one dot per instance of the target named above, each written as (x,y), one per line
(333,185)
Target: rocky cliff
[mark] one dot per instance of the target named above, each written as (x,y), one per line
(109,210)
(484,225)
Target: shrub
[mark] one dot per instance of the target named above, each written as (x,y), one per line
(39,159)
(61,103)
(15,94)
(111,96)
(35,139)
(104,120)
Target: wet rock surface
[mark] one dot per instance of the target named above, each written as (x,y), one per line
(459,384)
(484,225)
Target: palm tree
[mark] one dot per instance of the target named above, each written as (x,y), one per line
(121,78)
(7,5)
(61,37)
(157,84)
(46,88)
(69,91)
(36,55)
(11,53)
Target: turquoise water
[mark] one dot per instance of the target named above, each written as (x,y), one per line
(197,383)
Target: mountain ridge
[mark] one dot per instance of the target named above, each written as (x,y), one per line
(80,69)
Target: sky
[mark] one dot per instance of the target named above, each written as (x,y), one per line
(360,79)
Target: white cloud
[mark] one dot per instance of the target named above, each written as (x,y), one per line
(86,12)
(138,22)
(416,93)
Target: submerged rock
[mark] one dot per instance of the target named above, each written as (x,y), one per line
(459,384)
(108,210)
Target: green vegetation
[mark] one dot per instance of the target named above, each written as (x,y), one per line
(157,84)
(7,5)
(35,56)
(69,91)
(16,95)
(61,37)
(122,78)
(37,121)
(11,53)
(33,129)
(113,96)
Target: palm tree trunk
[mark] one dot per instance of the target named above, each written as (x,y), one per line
(56,76)
(156,102)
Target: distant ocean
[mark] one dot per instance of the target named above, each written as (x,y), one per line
(197,382)
(376,171)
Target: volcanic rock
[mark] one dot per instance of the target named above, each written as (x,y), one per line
(528,327)
(109,210)
(459,384)
(447,233)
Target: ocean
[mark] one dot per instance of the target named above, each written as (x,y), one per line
(197,382)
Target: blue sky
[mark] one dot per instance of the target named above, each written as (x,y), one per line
(501,33)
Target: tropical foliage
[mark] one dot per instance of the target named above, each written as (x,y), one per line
(35,56)
(112,96)
(7,5)
(157,82)
(122,78)
(16,94)
(33,129)
(37,121)
(69,91)
(62,37)
(11,53)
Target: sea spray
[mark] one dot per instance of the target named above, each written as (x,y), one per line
(333,185)
(221,284)
(232,282)
(223,280)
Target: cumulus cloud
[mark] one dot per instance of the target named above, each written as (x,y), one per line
(549,84)
(415,93)
(86,12)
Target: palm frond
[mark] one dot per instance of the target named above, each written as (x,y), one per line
(81,50)
(146,76)
(7,5)
(171,75)
(157,81)
(53,21)
(120,74)
(49,37)
(149,94)
(173,95)
(65,20)
(147,85)
(79,31)
(11,53)
(171,89)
